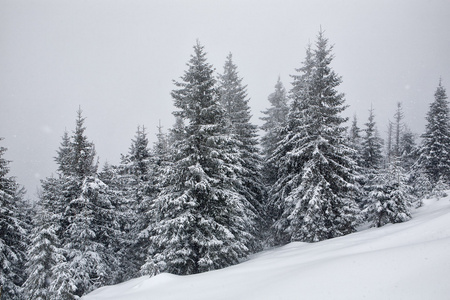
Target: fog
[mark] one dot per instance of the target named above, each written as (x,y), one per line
(117,61)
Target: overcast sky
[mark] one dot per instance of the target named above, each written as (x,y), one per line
(117,59)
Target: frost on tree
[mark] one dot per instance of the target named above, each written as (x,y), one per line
(389,197)
(315,191)
(233,97)
(434,153)
(202,220)
(274,122)
(77,224)
(13,234)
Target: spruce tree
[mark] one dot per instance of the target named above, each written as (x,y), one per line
(81,224)
(13,234)
(434,153)
(136,173)
(372,145)
(202,222)
(274,121)
(390,200)
(43,254)
(233,97)
(317,183)
(371,158)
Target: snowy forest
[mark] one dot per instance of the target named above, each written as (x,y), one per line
(216,188)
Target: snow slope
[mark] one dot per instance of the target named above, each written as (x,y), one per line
(399,261)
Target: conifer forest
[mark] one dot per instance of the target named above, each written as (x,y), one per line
(216,188)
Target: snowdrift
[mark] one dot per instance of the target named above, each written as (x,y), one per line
(410,260)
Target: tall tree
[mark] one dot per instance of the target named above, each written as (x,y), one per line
(233,97)
(318,183)
(274,121)
(202,222)
(138,190)
(13,234)
(434,153)
(80,227)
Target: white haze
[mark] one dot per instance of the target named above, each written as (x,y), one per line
(117,59)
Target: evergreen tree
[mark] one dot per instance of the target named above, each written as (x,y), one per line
(90,233)
(202,222)
(233,97)
(372,145)
(434,153)
(355,140)
(317,186)
(390,201)
(12,234)
(408,149)
(137,179)
(371,158)
(79,224)
(43,254)
(274,121)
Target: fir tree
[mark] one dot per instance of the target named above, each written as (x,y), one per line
(81,225)
(318,183)
(274,121)
(371,158)
(202,223)
(136,176)
(372,145)
(13,234)
(390,201)
(434,153)
(233,97)
(44,253)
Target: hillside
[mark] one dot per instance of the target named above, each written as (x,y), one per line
(399,261)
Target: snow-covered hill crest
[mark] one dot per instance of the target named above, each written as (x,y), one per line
(409,260)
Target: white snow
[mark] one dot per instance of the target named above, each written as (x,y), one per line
(409,260)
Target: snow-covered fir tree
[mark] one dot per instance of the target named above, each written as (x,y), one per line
(203,222)
(233,97)
(372,144)
(13,234)
(274,118)
(43,254)
(90,233)
(390,200)
(81,216)
(371,158)
(408,149)
(317,185)
(434,152)
(135,173)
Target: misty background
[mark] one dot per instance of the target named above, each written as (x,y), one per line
(117,59)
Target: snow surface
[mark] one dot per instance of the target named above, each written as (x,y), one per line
(409,260)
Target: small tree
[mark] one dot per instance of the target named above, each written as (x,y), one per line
(390,197)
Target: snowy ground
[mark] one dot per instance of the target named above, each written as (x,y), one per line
(402,261)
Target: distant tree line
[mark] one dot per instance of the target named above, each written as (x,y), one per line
(208,193)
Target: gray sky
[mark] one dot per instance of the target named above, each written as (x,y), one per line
(117,59)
